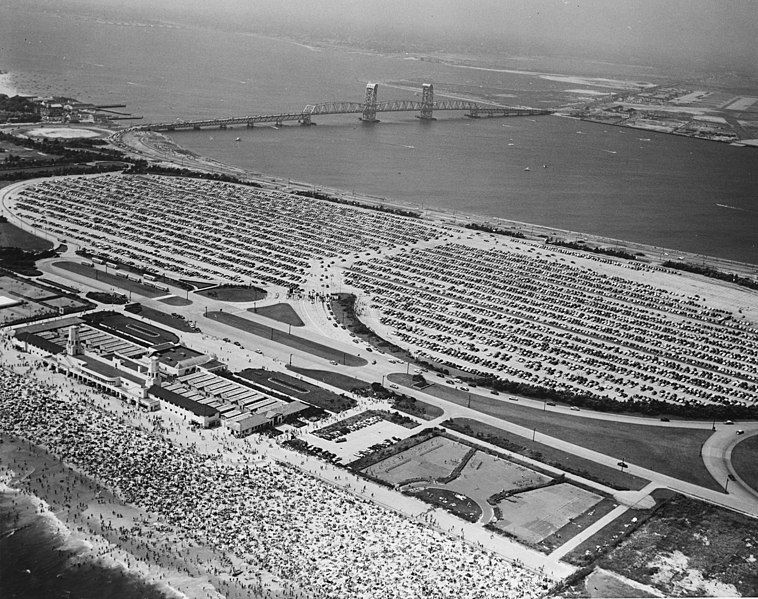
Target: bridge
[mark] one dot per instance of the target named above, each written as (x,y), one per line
(368,109)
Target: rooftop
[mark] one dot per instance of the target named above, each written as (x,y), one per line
(175,355)
(183,402)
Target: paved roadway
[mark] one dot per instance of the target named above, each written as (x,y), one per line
(319,327)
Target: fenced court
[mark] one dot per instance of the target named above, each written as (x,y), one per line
(485,474)
(535,515)
(434,458)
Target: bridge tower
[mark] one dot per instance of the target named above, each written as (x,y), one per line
(427,102)
(369,104)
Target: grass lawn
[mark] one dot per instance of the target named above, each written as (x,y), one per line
(294,387)
(745,461)
(280,312)
(546,454)
(668,450)
(234,294)
(293,341)
(14,237)
(175,300)
(689,534)
(109,278)
(419,408)
(166,319)
(335,379)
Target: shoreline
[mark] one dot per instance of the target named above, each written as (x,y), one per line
(87,546)
(157,147)
(128,525)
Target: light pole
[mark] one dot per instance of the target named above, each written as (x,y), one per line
(383,379)
(290,359)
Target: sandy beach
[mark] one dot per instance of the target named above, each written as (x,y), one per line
(104,529)
(182,562)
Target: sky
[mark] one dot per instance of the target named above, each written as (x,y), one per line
(719,32)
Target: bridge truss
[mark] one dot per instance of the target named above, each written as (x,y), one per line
(368,110)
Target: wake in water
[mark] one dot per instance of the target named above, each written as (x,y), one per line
(734,208)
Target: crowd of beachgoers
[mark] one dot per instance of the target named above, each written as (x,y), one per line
(211,230)
(532,316)
(324,541)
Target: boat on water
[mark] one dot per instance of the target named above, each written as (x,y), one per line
(527,169)
(237,139)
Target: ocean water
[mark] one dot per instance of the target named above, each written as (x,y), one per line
(36,562)
(675,192)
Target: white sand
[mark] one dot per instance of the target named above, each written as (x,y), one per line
(587,92)
(61,133)
(6,85)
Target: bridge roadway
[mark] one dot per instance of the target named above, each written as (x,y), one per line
(474,110)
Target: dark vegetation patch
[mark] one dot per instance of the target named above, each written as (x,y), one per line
(745,461)
(175,321)
(335,379)
(495,230)
(14,237)
(142,167)
(107,298)
(234,293)
(452,501)
(583,247)
(280,312)
(23,262)
(175,300)
(719,543)
(416,407)
(603,541)
(708,271)
(318,195)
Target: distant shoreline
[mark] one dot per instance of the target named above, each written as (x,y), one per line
(159,148)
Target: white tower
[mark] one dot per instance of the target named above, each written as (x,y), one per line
(154,377)
(73,347)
